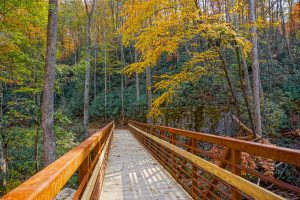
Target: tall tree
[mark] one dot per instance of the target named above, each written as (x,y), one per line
(122,84)
(255,69)
(285,35)
(48,95)
(3,164)
(105,84)
(149,92)
(137,82)
(89,13)
(95,70)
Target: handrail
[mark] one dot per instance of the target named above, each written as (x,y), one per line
(47,183)
(273,152)
(180,152)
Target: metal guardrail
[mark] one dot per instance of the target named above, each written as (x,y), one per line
(183,155)
(85,157)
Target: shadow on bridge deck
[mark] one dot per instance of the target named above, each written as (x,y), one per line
(132,173)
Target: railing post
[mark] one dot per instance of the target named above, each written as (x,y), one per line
(97,148)
(174,162)
(194,170)
(145,138)
(163,154)
(150,142)
(84,167)
(236,159)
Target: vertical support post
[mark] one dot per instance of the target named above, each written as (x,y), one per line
(147,139)
(236,159)
(155,150)
(163,154)
(150,142)
(159,152)
(84,167)
(144,137)
(174,162)
(97,148)
(194,170)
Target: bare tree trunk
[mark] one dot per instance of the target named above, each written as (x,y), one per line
(255,69)
(270,62)
(37,136)
(149,92)
(88,66)
(105,84)
(48,94)
(95,73)
(3,164)
(285,35)
(36,148)
(75,52)
(122,82)
(246,75)
(122,98)
(245,96)
(234,98)
(137,81)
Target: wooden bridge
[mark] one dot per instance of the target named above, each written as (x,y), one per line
(157,162)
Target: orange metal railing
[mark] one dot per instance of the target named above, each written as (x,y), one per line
(47,183)
(187,156)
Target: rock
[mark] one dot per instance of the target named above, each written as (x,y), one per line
(65,194)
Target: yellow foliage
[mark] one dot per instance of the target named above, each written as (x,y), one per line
(162,26)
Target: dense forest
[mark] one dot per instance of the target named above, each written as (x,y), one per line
(68,67)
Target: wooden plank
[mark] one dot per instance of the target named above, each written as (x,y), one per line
(291,156)
(133,174)
(232,179)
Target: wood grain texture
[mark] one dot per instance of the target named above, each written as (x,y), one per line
(132,173)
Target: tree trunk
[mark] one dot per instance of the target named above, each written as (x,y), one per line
(87,81)
(229,82)
(3,164)
(88,66)
(245,96)
(37,136)
(75,52)
(48,94)
(105,85)
(95,72)
(137,82)
(270,62)
(255,69)
(149,92)
(122,82)
(36,148)
(285,35)
(246,75)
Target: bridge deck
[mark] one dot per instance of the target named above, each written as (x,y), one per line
(132,173)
